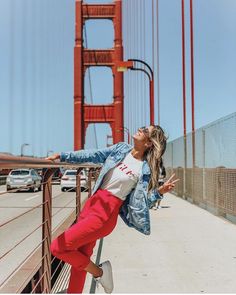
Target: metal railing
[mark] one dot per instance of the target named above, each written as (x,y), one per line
(207,178)
(38,262)
(212,189)
(3,179)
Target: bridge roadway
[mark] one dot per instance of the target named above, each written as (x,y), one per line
(14,204)
(189,251)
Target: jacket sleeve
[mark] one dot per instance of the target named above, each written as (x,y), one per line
(91,155)
(153,197)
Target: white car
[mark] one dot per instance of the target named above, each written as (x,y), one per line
(68,180)
(24,178)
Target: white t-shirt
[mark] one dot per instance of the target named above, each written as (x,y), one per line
(123,178)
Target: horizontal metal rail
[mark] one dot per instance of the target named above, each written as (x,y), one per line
(211,188)
(43,266)
(13,162)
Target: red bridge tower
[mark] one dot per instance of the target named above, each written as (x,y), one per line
(85,114)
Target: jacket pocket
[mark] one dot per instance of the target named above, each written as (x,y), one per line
(138,216)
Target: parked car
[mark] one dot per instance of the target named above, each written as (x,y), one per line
(23,178)
(68,180)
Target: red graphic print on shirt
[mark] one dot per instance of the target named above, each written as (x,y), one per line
(125,168)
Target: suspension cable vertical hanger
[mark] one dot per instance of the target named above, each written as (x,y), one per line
(183,68)
(158,64)
(192,82)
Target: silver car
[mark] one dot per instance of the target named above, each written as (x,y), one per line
(68,180)
(24,178)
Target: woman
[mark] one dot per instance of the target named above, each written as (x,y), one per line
(127,185)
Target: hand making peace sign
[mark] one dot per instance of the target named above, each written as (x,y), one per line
(168,185)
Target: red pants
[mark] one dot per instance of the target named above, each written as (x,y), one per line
(75,246)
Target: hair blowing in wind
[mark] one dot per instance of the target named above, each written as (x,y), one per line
(154,154)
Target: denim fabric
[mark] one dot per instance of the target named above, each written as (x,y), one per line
(135,209)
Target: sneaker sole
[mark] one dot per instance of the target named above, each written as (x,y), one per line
(109,270)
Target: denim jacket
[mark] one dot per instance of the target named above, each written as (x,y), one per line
(135,209)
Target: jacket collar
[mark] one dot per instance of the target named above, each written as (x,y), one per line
(145,168)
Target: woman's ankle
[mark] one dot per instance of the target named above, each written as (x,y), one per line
(99,273)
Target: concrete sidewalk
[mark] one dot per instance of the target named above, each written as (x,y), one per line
(189,251)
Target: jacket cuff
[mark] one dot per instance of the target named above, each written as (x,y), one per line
(63,156)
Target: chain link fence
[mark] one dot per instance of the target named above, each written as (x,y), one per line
(205,162)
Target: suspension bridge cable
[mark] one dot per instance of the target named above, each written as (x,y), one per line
(47,94)
(129,73)
(141,56)
(129,110)
(27,70)
(144,55)
(128,41)
(43,113)
(130,55)
(136,97)
(36,106)
(138,112)
(33,21)
(153,45)
(23,49)
(11,73)
(40,116)
(125,32)
(158,63)
(134,74)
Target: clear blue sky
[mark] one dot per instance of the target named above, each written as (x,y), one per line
(36,70)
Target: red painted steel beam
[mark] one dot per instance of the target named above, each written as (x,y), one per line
(98,57)
(78,79)
(98,113)
(98,11)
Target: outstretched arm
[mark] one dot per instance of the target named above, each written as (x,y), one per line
(84,156)
(53,157)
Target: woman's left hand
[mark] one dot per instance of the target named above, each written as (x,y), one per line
(168,185)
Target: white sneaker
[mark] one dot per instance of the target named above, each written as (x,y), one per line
(106,280)
(154,208)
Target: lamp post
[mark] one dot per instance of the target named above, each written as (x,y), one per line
(48,152)
(123,66)
(22,149)
(109,137)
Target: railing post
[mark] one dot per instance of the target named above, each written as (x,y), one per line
(89,182)
(78,193)
(97,171)
(46,230)
(185,166)
(204,166)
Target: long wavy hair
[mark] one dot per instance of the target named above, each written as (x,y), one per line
(154,154)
